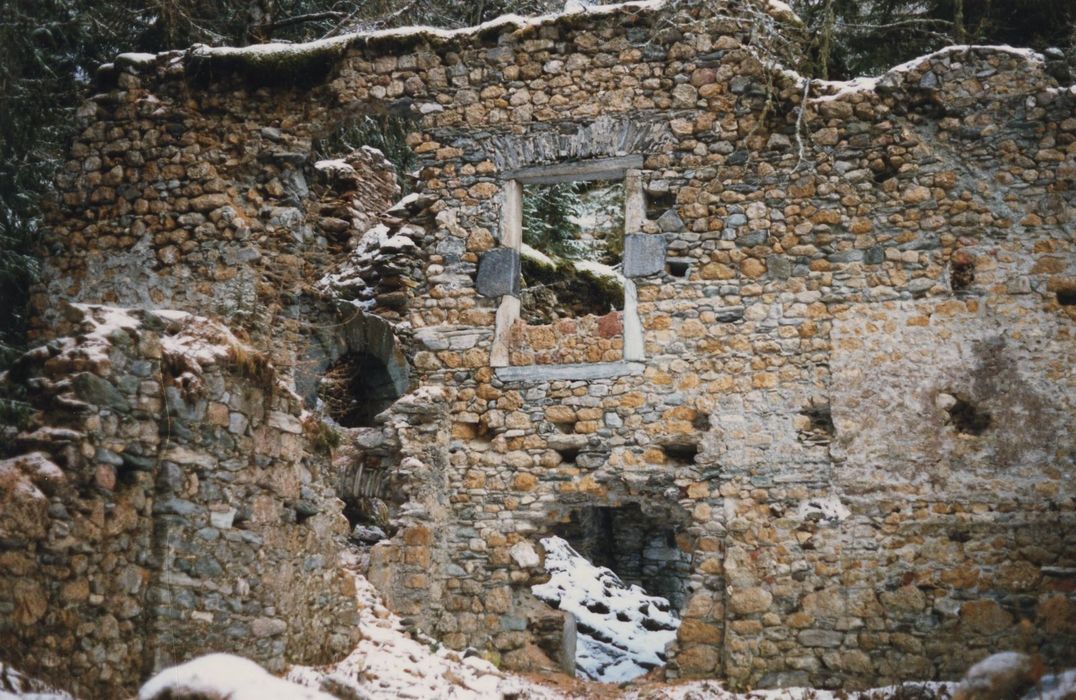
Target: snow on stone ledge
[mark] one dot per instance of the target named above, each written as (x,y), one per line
(622,631)
(272,52)
(894,76)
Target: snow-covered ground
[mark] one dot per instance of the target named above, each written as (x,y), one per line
(622,631)
(389,663)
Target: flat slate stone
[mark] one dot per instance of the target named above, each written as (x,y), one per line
(644,254)
(498,273)
(670,222)
(598,370)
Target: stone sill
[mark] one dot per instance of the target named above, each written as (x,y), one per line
(597,370)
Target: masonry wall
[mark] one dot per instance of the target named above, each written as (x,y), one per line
(168,504)
(866,364)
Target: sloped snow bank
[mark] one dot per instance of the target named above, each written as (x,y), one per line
(388,663)
(712,690)
(622,631)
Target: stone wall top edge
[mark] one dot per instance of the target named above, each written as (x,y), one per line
(286,66)
(401,40)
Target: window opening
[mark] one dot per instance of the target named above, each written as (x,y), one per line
(573,241)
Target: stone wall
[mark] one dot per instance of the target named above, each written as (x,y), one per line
(171,504)
(854,372)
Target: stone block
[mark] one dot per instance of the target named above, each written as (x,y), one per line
(644,254)
(498,273)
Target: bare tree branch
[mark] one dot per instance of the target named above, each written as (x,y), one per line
(269,27)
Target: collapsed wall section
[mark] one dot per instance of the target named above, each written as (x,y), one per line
(168,504)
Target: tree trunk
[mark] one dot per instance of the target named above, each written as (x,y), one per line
(958,22)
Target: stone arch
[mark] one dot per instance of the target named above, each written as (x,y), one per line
(604,137)
(367,359)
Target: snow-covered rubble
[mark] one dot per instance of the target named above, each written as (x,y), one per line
(389,663)
(14,684)
(622,630)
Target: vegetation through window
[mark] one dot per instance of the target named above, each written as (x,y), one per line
(573,241)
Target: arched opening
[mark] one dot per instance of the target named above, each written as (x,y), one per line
(356,388)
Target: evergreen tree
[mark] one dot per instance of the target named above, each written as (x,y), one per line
(547,217)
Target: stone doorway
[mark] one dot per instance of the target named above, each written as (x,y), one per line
(647,548)
(623,573)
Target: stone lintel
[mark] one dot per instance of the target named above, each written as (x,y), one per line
(602,169)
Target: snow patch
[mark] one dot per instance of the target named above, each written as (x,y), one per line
(829,509)
(841,88)
(712,690)
(536,255)
(1060,686)
(782,11)
(389,663)
(622,631)
(14,684)
(224,677)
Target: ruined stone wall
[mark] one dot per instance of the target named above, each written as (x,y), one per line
(855,368)
(168,504)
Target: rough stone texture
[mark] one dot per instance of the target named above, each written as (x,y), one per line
(160,511)
(860,390)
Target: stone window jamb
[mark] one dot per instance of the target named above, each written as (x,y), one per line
(624,168)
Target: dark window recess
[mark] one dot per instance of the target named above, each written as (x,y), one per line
(356,389)
(968,419)
(1067,297)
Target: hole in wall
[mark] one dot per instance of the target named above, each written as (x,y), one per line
(677,268)
(623,572)
(681,453)
(356,388)
(961,271)
(883,169)
(657,203)
(968,419)
(1067,296)
(569,454)
(815,424)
